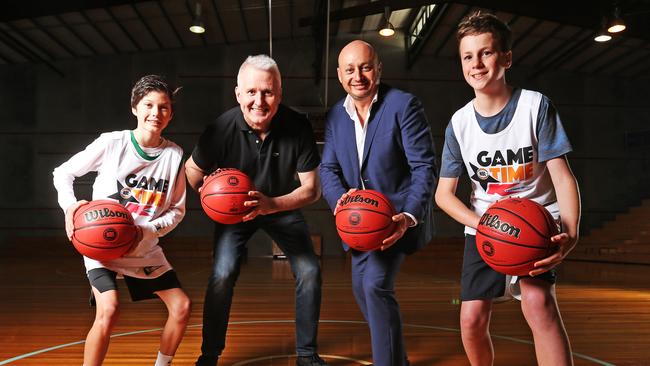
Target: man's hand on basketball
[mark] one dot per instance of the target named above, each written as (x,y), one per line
(262,205)
(565,243)
(403,222)
(69,215)
(343,197)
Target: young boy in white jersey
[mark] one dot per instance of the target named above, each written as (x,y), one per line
(143,171)
(520,130)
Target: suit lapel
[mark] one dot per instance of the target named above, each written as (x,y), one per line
(350,142)
(373,125)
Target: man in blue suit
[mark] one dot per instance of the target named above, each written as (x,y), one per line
(378,138)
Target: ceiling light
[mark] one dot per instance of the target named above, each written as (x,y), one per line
(197,25)
(387,28)
(616,24)
(602,37)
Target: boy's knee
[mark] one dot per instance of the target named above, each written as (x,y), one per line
(473,323)
(182,309)
(107,313)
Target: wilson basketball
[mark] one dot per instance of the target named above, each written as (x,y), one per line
(364,219)
(224,193)
(103,230)
(513,234)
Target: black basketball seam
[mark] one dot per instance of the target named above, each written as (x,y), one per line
(215,193)
(516,264)
(509,242)
(96,247)
(363,209)
(522,219)
(102,224)
(365,232)
(227,213)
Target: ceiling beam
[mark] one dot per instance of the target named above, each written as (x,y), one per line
(54,39)
(599,56)
(23,50)
(452,30)
(29,41)
(31,9)
(121,26)
(147,27)
(537,45)
(376,7)
(243,19)
(98,31)
(171,24)
(76,34)
(217,13)
(570,49)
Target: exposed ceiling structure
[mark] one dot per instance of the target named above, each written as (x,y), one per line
(548,35)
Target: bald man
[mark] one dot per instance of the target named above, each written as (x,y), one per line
(378,138)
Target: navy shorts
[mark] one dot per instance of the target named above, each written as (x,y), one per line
(104,279)
(480,281)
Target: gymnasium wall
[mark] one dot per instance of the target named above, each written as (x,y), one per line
(45,118)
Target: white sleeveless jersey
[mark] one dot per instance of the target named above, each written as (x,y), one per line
(504,164)
(149,182)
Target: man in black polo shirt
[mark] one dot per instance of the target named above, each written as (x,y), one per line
(270,143)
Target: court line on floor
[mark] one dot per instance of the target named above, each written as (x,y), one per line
(246,322)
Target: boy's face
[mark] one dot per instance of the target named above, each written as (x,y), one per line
(154,111)
(484,64)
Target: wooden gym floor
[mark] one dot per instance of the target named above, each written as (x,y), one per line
(44,312)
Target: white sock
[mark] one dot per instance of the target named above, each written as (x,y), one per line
(163,360)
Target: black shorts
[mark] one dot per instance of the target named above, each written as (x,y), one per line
(104,279)
(480,281)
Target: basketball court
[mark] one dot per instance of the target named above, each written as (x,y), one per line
(45,314)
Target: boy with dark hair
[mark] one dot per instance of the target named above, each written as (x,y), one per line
(500,122)
(121,160)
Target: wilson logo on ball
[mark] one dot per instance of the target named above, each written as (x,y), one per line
(354,218)
(495,222)
(233,181)
(359,199)
(95,215)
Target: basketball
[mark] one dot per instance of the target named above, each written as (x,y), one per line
(223,195)
(364,219)
(103,230)
(513,234)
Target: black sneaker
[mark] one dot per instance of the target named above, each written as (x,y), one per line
(313,360)
(206,361)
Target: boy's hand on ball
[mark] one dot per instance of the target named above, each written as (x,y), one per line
(69,215)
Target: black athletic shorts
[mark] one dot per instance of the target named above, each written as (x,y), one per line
(480,281)
(104,279)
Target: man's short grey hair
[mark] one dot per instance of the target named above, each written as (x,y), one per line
(260,62)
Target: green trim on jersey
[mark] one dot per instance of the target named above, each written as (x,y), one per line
(139,149)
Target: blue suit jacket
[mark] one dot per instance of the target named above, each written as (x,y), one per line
(398,160)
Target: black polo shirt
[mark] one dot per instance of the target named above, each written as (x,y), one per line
(272,163)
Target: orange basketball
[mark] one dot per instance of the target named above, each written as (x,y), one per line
(103,230)
(364,219)
(513,234)
(224,193)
